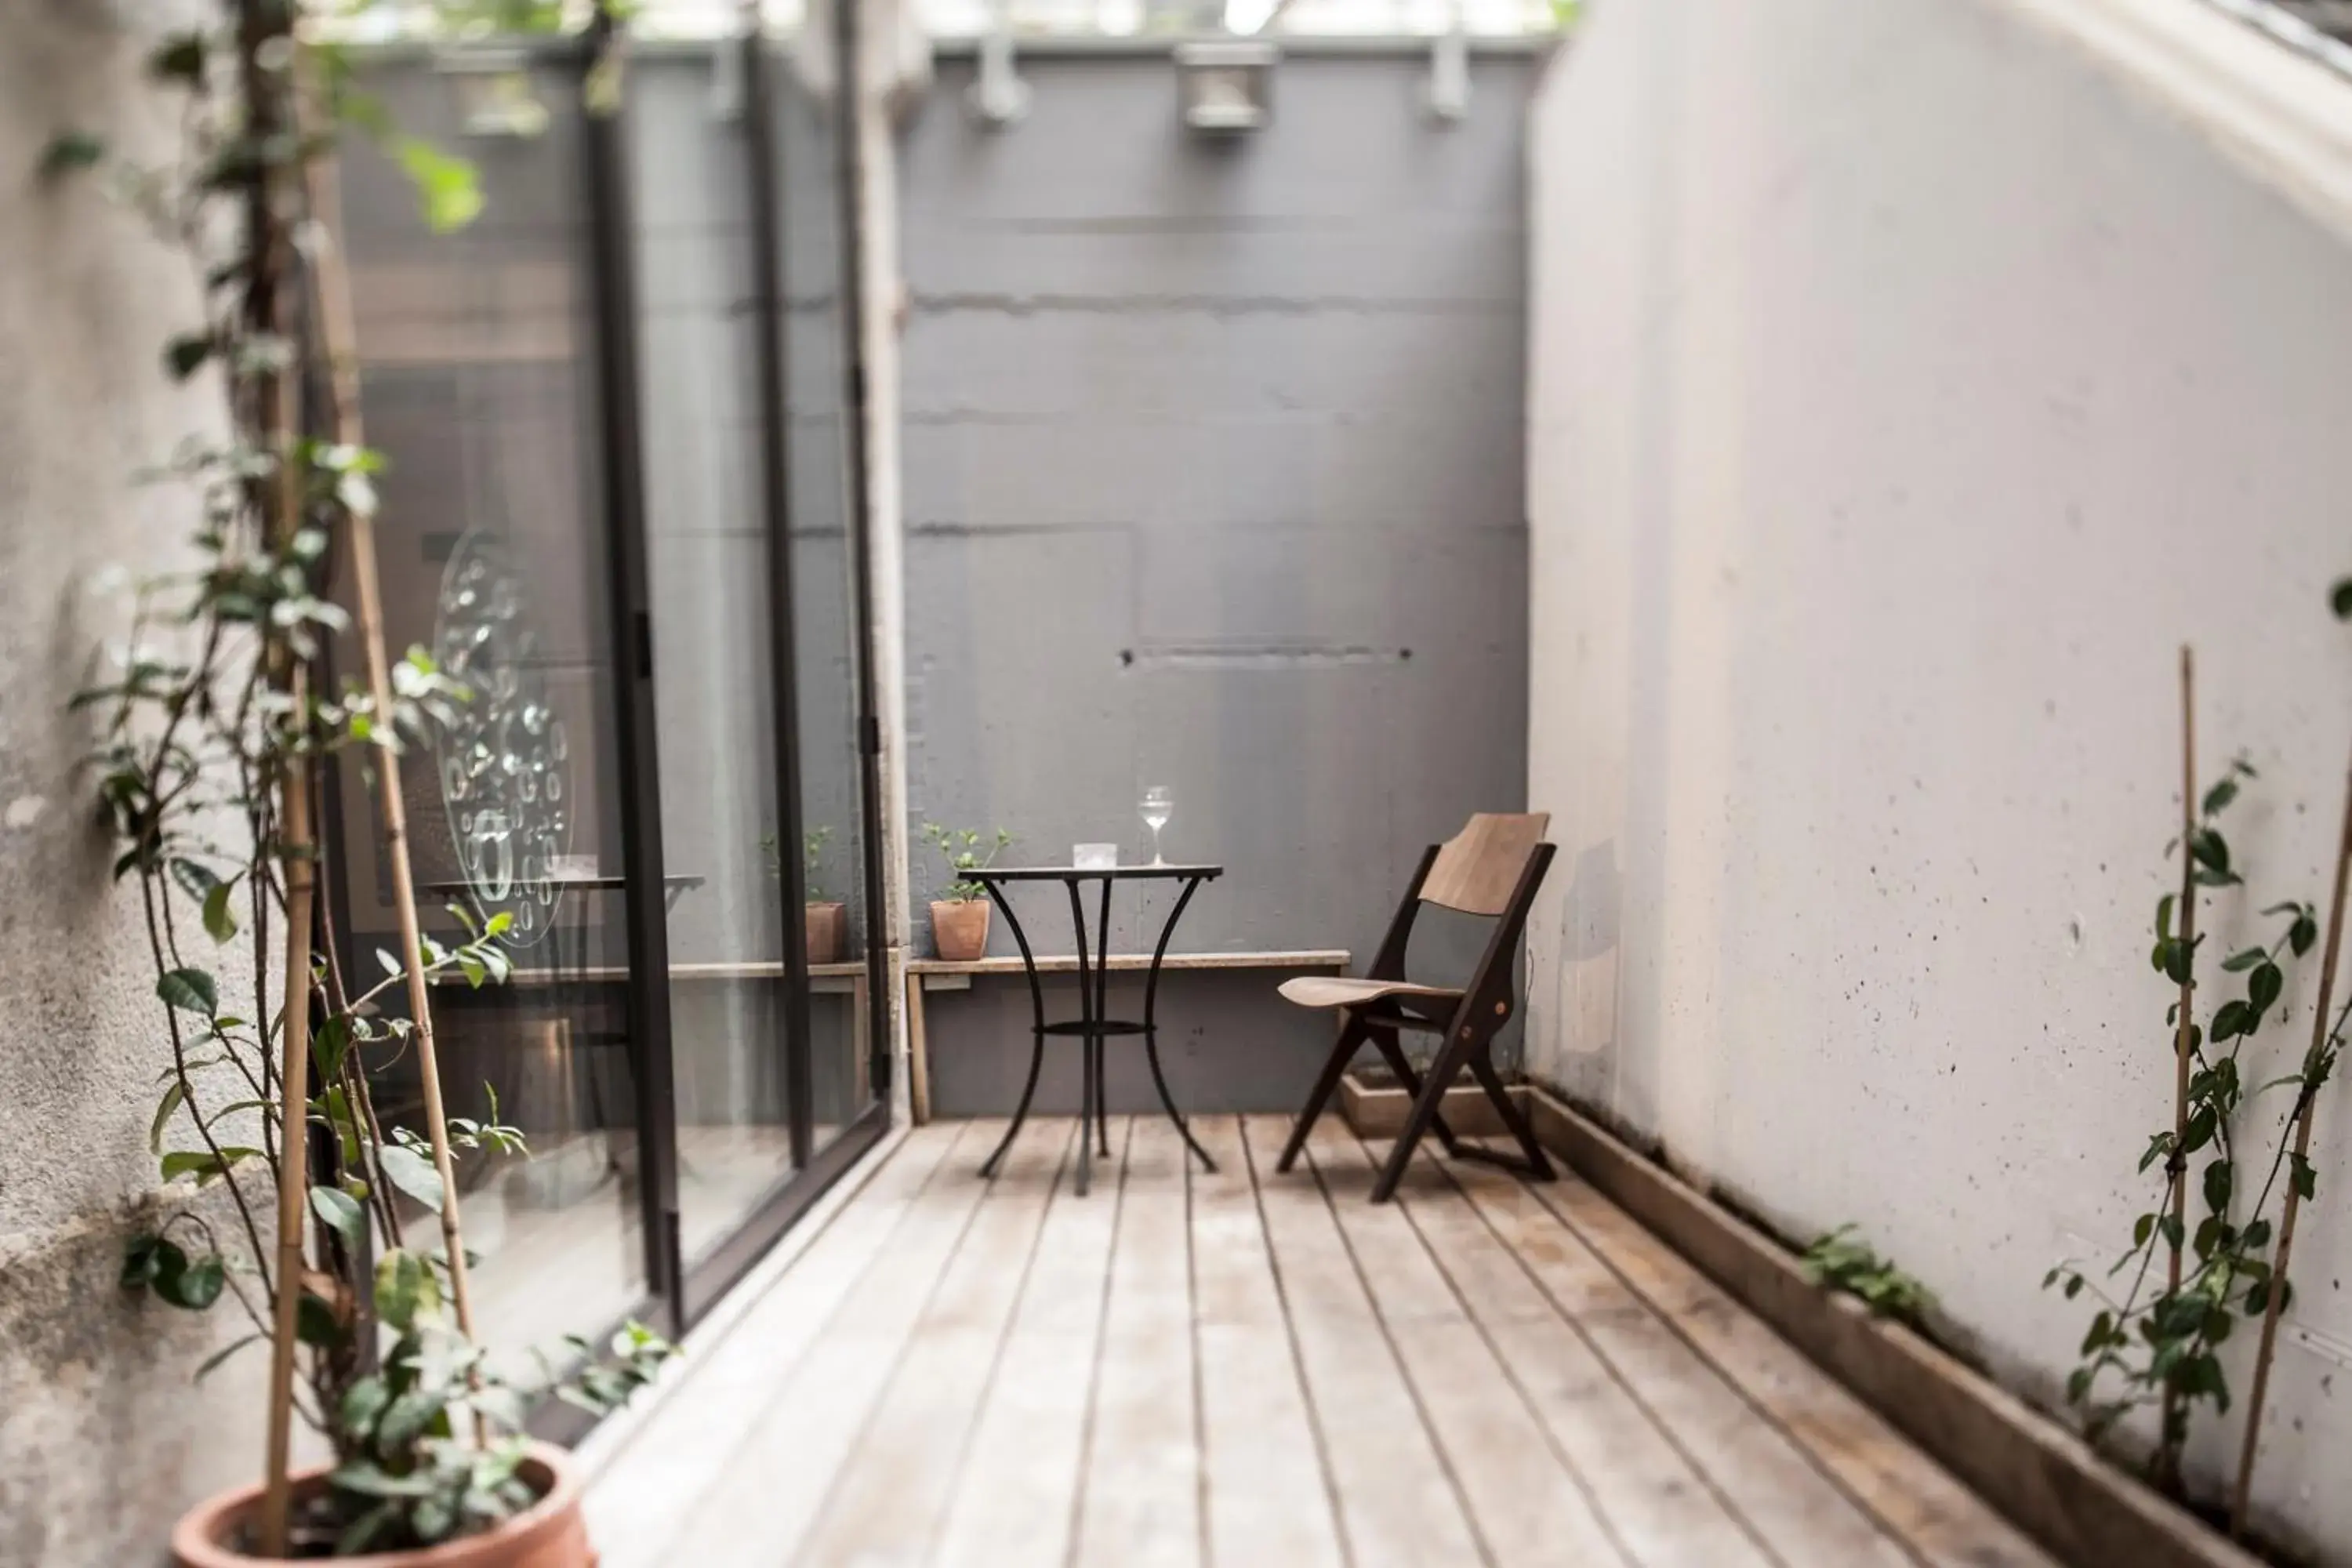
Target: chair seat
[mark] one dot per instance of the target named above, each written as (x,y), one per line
(1338,991)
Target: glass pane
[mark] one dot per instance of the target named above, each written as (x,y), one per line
(723,832)
(825,623)
(479,383)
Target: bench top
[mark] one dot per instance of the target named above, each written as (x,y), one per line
(1067,963)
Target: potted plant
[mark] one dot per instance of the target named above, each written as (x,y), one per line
(824,918)
(959,916)
(215,737)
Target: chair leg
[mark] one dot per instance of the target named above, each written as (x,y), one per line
(1392,1052)
(1482,1067)
(1343,1051)
(1442,1073)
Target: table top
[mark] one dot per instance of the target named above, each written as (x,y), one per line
(1085,873)
(598,884)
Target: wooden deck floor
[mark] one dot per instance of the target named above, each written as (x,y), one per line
(1244,1369)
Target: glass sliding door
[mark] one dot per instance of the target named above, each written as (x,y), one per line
(728,840)
(812,333)
(479,379)
(619,509)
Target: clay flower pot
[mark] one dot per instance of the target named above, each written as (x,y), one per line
(828,924)
(959,929)
(549,1533)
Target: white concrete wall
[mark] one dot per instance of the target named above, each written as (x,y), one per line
(103,1437)
(1909,380)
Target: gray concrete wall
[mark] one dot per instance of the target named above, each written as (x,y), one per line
(102,1437)
(1910,381)
(1212,479)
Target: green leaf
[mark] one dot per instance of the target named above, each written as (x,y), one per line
(2303,934)
(2263,987)
(339,1210)
(2164,919)
(2212,850)
(170,1102)
(192,1284)
(407,1416)
(413,1174)
(362,1403)
(185,355)
(405,1289)
(189,990)
(315,1323)
(2339,598)
(2306,1179)
(329,1043)
(372,1480)
(220,920)
(204,1165)
(2244,958)
(69,152)
(2142,1229)
(2258,1297)
(449,190)
(2217,1185)
(180,58)
(2220,795)
(2233,1020)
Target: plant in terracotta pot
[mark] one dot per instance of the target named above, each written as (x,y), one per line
(218,733)
(824,918)
(959,915)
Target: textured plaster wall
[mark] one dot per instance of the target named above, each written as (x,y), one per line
(1909,380)
(101,1439)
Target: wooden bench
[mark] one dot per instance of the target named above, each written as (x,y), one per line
(945,975)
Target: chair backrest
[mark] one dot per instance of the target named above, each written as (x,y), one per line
(1478,868)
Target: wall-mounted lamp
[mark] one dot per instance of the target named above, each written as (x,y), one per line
(1226,85)
(1447,94)
(999,97)
(495,96)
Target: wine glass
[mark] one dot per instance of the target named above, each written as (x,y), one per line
(1157,807)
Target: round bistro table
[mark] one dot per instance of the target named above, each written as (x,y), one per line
(1093,1024)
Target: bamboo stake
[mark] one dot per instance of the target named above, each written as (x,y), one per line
(293,1141)
(2242,1494)
(2167,1450)
(339,339)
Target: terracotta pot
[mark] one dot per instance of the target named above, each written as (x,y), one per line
(549,1533)
(959,929)
(827,925)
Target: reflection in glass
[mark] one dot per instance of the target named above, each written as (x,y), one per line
(477,375)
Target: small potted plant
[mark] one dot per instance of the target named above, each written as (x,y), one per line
(826,916)
(959,916)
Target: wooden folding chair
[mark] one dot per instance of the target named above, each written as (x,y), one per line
(1492,867)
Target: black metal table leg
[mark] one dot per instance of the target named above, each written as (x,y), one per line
(1036,1032)
(1102,1011)
(1088,1039)
(1151,1025)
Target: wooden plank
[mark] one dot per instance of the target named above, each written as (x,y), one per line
(1686,1469)
(1267,1492)
(1528,1506)
(638,1505)
(1939,1521)
(772,1488)
(1139,1486)
(1122,963)
(2045,1477)
(889,1502)
(1015,1502)
(1397,1500)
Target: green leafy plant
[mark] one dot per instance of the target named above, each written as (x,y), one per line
(2152,1342)
(812,847)
(215,730)
(1840,1261)
(965,851)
